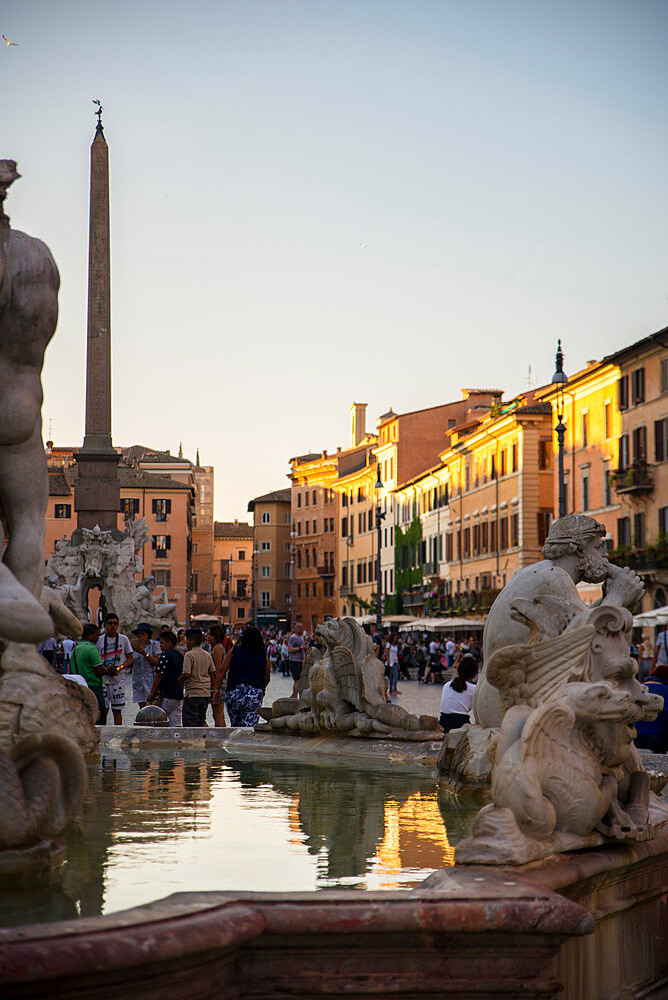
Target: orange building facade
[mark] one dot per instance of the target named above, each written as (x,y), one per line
(232,571)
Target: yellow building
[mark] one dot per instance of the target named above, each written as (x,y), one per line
(356,543)
(314,524)
(272,558)
(232,575)
(465,526)
(593,425)
(641,478)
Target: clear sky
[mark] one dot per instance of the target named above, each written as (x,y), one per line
(504,160)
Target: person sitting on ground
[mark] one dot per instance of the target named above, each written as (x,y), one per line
(167,674)
(457,696)
(198,669)
(248,670)
(654,735)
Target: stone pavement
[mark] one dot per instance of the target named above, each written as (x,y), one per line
(420,699)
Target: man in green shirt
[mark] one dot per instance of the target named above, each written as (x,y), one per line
(85,660)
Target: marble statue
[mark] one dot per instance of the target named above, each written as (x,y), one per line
(33,698)
(97,560)
(574,551)
(43,780)
(29,284)
(343,691)
(566,774)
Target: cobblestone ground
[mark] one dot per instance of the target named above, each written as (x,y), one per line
(420,699)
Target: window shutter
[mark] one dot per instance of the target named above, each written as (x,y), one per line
(658,441)
(153,542)
(168,506)
(154,505)
(622,392)
(168,541)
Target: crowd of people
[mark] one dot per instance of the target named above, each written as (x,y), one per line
(186,671)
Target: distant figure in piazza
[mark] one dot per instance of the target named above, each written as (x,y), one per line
(574,552)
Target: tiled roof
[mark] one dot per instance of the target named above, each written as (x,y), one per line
(59,485)
(140,479)
(232,529)
(140,453)
(278,496)
(533,408)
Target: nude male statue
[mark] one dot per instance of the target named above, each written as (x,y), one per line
(574,552)
(29,285)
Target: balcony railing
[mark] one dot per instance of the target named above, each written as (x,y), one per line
(431,568)
(346,590)
(412,598)
(634,479)
(326,570)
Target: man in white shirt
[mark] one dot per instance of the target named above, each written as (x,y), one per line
(116,652)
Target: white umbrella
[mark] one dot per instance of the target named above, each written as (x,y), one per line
(658,616)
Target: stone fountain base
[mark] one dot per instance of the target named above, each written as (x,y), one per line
(587,926)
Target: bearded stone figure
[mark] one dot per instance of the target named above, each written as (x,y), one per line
(574,551)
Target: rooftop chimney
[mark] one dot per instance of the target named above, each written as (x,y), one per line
(358,411)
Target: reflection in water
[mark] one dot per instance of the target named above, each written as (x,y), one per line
(178,822)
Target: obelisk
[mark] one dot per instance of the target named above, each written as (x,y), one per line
(97,493)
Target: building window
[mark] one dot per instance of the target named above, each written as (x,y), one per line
(623,461)
(265,546)
(504,533)
(306,590)
(241,589)
(623,531)
(287,569)
(266,519)
(315,532)
(331,524)
(639,529)
(195,582)
(640,444)
(288,519)
(306,498)
(660,440)
(545,454)
(265,598)
(299,499)
(467,543)
(503,461)
(638,386)
(344,527)
(299,528)
(161,509)
(306,527)
(265,572)
(307,558)
(326,524)
(607,411)
(161,545)
(299,590)
(514,458)
(514,531)
(63,510)
(129,507)
(544,522)
(664,375)
(623,392)
(585,429)
(314,498)
(315,590)
(663,522)
(241,612)
(163,577)
(585,491)
(607,487)
(241,554)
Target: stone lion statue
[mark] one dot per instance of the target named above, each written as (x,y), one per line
(343,691)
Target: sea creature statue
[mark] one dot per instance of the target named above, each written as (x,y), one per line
(43,780)
(343,691)
(566,774)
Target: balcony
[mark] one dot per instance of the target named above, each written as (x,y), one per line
(346,590)
(431,568)
(412,599)
(326,570)
(635,479)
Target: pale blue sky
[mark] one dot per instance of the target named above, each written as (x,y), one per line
(505,162)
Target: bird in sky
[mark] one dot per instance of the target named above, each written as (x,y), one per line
(7,41)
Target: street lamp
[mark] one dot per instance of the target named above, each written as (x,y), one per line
(380,516)
(560,379)
(293,536)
